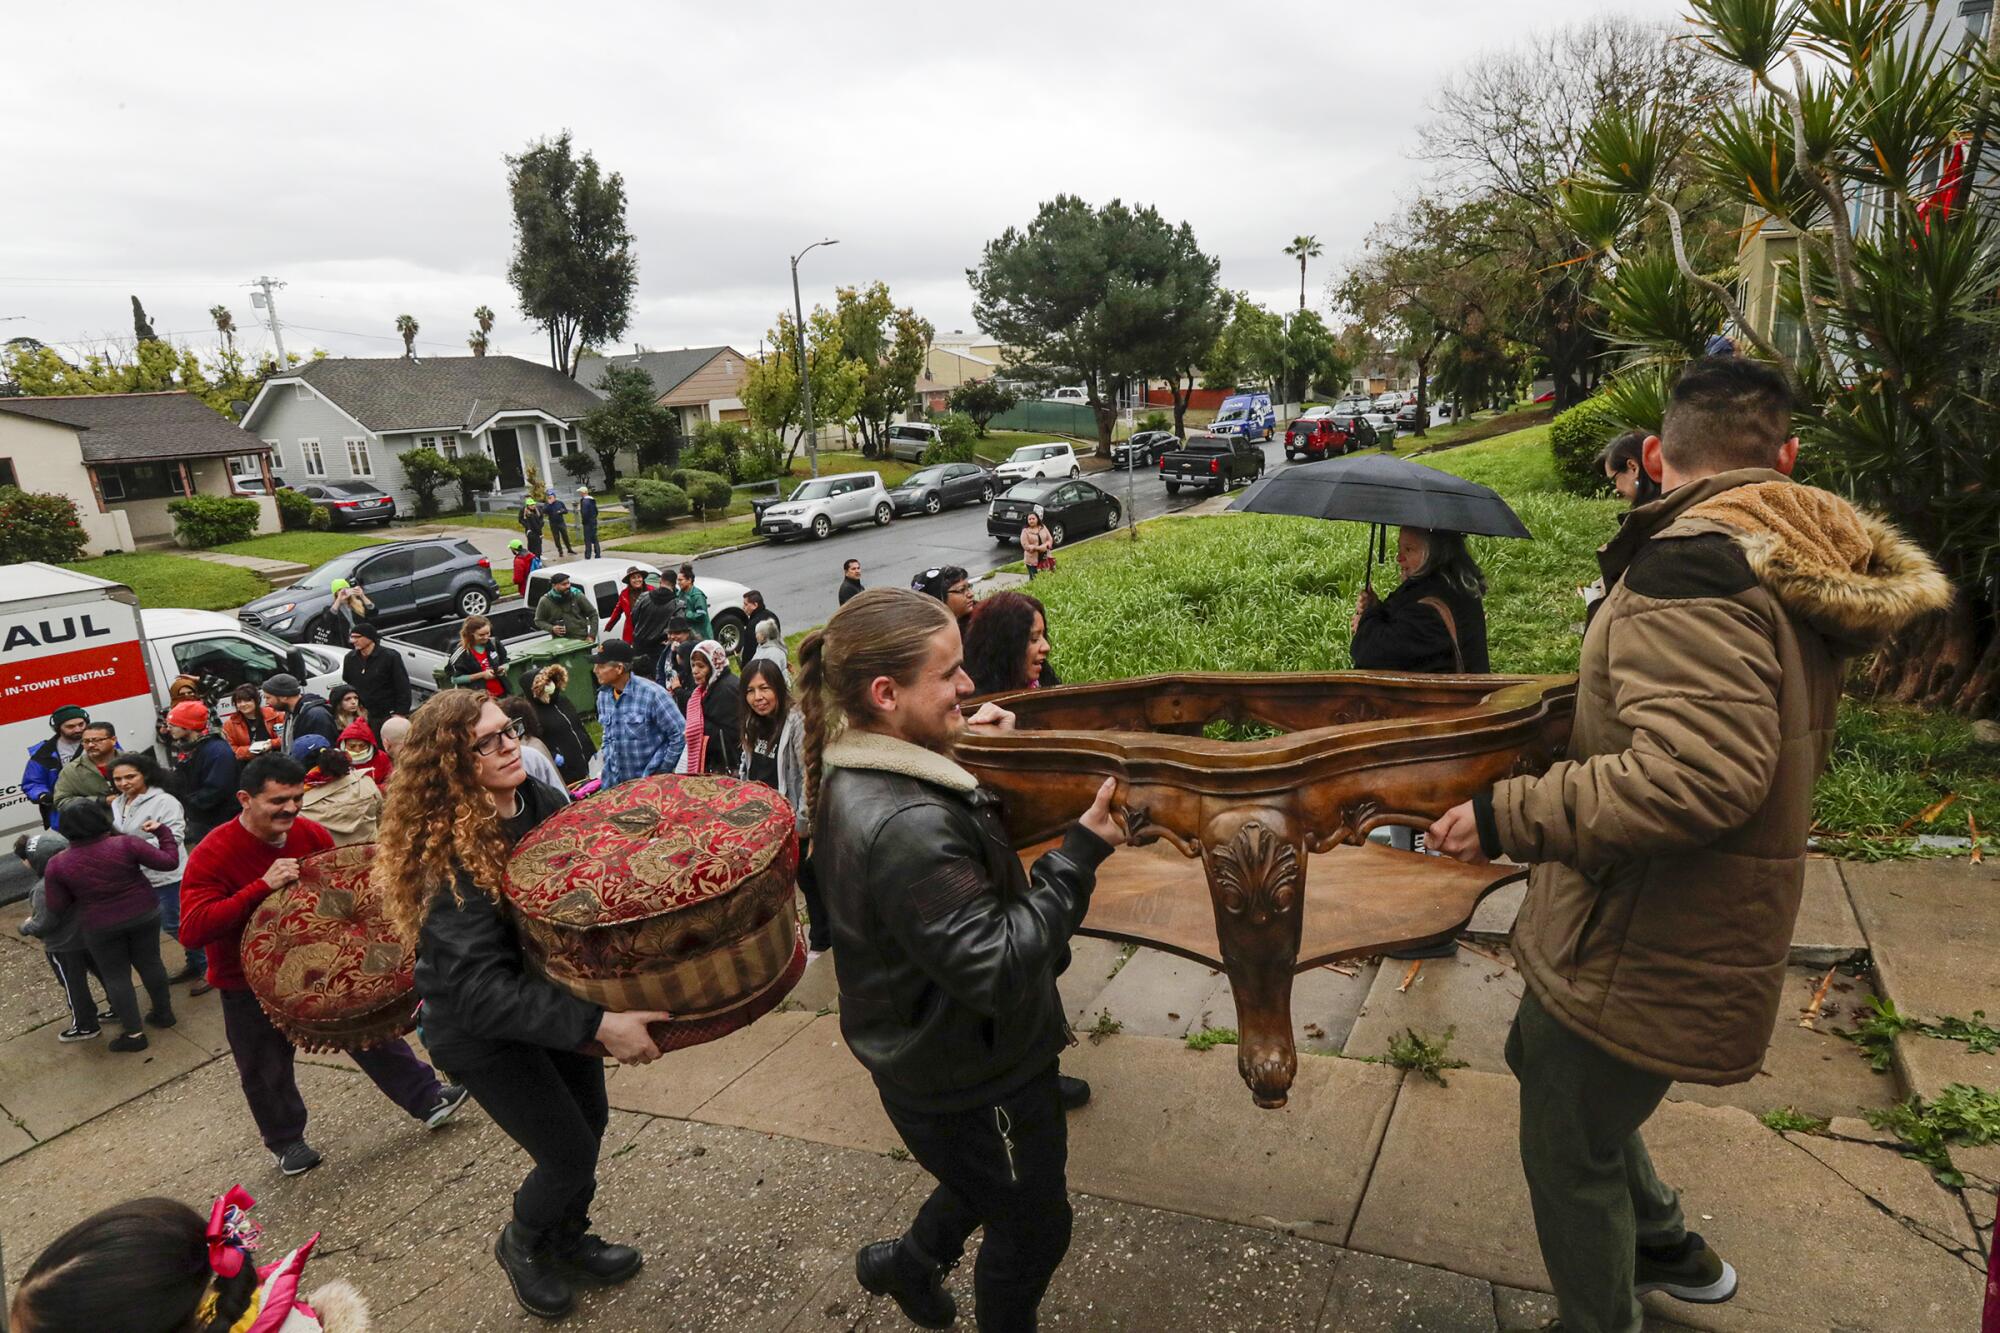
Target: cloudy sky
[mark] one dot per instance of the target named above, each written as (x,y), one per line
(355,151)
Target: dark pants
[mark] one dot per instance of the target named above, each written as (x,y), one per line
(73,969)
(534,540)
(1002,1167)
(170,921)
(819,926)
(131,946)
(592,548)
(553,1104)
(1590,1179)
(264,1058)
(559,530)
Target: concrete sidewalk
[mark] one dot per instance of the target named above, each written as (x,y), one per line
(752,1168)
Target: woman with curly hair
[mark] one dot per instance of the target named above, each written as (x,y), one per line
(460,802)
(1007,644)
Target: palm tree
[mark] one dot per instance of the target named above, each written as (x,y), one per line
(407,326)
(481,337)
(1303,248)
(225,324)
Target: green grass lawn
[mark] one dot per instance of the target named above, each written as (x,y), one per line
(177,580)
(693,539)
(308,548)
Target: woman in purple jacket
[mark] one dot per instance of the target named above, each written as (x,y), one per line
(104,872)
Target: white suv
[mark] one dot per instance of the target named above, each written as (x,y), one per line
(1038,460)
(825,503)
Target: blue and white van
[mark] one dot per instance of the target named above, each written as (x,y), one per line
(1246,414)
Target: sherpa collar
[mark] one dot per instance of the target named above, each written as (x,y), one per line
(886,754)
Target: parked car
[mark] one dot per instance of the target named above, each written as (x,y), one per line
(1407,415)
(1353,403)
(255,485)
(1391,401)
(1143,449)
(1379,424)
(350,503)
(1247,414)
(907,440)
(824,504)
(408,581)
(603,579)
(1039,460)
(1212,462)
(941,487)
(1068,508)
(1069,393)
(1314,438)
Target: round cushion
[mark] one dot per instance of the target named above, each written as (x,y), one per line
(323,960)
(670,893)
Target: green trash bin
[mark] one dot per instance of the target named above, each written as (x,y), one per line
(525,661)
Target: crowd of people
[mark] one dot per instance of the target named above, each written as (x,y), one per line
(1666,853)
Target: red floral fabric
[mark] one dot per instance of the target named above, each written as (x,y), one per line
(323,960)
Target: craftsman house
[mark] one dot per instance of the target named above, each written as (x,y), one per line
(352,418)
(123,457)
(698,383)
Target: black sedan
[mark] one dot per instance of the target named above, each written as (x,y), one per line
(1068,509)
(1144,449)
(350,503)
(932,490)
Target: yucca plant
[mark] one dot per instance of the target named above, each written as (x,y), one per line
(1896,281)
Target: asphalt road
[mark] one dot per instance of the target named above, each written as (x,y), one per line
(800,579)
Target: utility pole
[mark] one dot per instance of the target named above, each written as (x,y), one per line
(262,300)
(805,375)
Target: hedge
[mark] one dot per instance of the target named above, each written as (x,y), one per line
(202,521)
(708,492)
(38,526)
(1576,437)
(955,435)
(294,510)
(653,503)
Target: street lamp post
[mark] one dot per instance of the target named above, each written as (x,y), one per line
(805,375)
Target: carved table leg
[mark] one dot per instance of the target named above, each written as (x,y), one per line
(1256,879)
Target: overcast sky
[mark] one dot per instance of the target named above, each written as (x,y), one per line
(355,151)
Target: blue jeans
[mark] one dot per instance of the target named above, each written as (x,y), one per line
(170,920)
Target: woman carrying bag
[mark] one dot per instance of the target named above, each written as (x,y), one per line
(481,660)
(1038,545)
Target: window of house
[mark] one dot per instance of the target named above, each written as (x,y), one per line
(277,454)
(7,472)
(315,464)
(357,458)
(445,446)
(562,440)
(139,481)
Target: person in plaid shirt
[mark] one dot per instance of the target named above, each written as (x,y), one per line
(643,729)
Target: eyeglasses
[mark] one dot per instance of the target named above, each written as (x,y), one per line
(490,746)
(959,590)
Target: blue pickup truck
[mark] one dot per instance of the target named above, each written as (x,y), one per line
(1246,414)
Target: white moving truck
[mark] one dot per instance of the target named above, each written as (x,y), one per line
(69,638)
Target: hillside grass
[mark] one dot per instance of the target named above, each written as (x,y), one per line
(177,580)
(309,548)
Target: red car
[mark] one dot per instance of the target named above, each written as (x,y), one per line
(1316,438)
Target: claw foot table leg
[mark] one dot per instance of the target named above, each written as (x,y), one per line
(1255,861)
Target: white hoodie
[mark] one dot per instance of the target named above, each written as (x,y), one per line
(153,803)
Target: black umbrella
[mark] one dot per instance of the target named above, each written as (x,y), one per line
(1380,489)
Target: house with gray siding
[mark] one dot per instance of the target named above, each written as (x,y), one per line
(352,418)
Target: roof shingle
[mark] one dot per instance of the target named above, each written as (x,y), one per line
(454,392)
(138,427)
(668,369)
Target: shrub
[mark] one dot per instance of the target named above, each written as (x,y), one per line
(763,457)
(476,473)
(653,503)
(708,492)
(427,470)
(1576,437)
(1156,421)
(955,436)
(579,466)
(38,526)
(202,521)
(717,447)
(322,518)
(982,400)
(294,510)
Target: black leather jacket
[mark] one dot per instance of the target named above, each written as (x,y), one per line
(479,996)
(946,951)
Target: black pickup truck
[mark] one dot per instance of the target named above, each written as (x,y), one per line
(1212,462)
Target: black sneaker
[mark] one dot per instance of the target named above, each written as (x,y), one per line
(1074,1092)
(888,1268)
(107,1015)
(296,1159)
(1689,1272)
(129,1041)
(74,1033)
(162,1018)
(453,1096)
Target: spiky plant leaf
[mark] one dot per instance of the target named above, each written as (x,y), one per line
(1749,33)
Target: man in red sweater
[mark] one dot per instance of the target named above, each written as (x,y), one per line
(235,868)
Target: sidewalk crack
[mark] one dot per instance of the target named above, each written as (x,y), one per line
(1967,1255)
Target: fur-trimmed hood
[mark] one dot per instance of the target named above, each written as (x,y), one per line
(886,754)
(1846,573)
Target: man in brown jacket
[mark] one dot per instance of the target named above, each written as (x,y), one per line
(1669,847)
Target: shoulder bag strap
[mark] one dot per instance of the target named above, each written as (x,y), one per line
(1438,605)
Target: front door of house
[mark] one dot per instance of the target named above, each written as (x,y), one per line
(507,457)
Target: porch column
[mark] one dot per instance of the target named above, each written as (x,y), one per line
(542,447)
(264,467)
(187,477)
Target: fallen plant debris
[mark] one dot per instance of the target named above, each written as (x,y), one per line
(1962,1116)
(1811,1011)
(1789,1119)
(1424,1055)
(1105,1026)
(1410,975)
(1209,1038)
(1881,1022)
(1489,957)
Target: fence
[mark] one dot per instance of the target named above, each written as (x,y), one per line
(1051,418)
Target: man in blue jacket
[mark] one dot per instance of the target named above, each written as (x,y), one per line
(586,514)
(45,761)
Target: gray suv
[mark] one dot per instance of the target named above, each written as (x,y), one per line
(408,582)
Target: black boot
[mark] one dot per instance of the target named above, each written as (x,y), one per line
(895,1268)
(537,1277)
(1074,1092)
(592,1258)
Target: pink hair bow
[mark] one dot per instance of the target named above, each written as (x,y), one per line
(231,1233)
